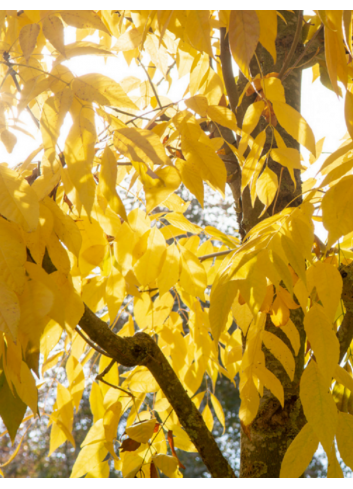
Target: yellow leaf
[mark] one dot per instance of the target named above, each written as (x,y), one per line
(218,410)
(83,19)
(191,178)
(266,187)
(157,52)
(268,31)
(253,159)
(107,182)
(149,266)
(222,297)
(250,402)
(12,256)
(101,89)
(96,402)
(343,377)
(223,116)
(160,189)
(140,145)
(198,30)
(115,292)
(193,277)
(270,381)
(18,202)
(53,114)
(65,227)
(273,89)
(244,34)
(319,407)
(9,310)
(289,158)
(89,457)
(9,140)
(198,104)
(337,210)
(328,284)
(299,453)
(323,341)
(334,470)
(167,464)
(12,409)
(280,351)
(252,116)
(26,388)
(170,270)
(345,437)
(295,125)
(210,166)
(294,256)
(76,380)
(335,58)
(53,29)
(79,153)
(207,417)
(180,221)
(290,330)
(131,39)
(143,431)
(111,420)
(28,39)
(242,315)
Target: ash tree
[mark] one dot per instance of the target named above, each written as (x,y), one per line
(161,306)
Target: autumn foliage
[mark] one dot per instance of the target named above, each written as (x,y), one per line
(76,256)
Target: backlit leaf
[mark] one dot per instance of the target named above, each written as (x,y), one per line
(299,454)
(319,407)
(244,34)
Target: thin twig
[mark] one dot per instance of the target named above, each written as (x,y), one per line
(279,186)
(293,46)
(151,83)
(215,255)
(306,49)
(168,71)
(105,371)
(94,346)
(128,113)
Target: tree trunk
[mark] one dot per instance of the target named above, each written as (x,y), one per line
(265,441)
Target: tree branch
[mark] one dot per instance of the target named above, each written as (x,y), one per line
(293,46)
(142,350)
(345,332)
(305,52)
(227,71)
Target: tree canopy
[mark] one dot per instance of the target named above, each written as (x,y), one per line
(99,265)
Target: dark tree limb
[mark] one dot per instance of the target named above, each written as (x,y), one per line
(142,350)
(227,71)
(293,46)
(345,332)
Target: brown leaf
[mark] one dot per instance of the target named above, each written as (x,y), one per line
(129,445)
(154,472)
(171,444)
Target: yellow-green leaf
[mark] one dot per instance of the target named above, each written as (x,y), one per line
(281,351)
(299,454)
(319,407)
(345,438)
(322,340)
